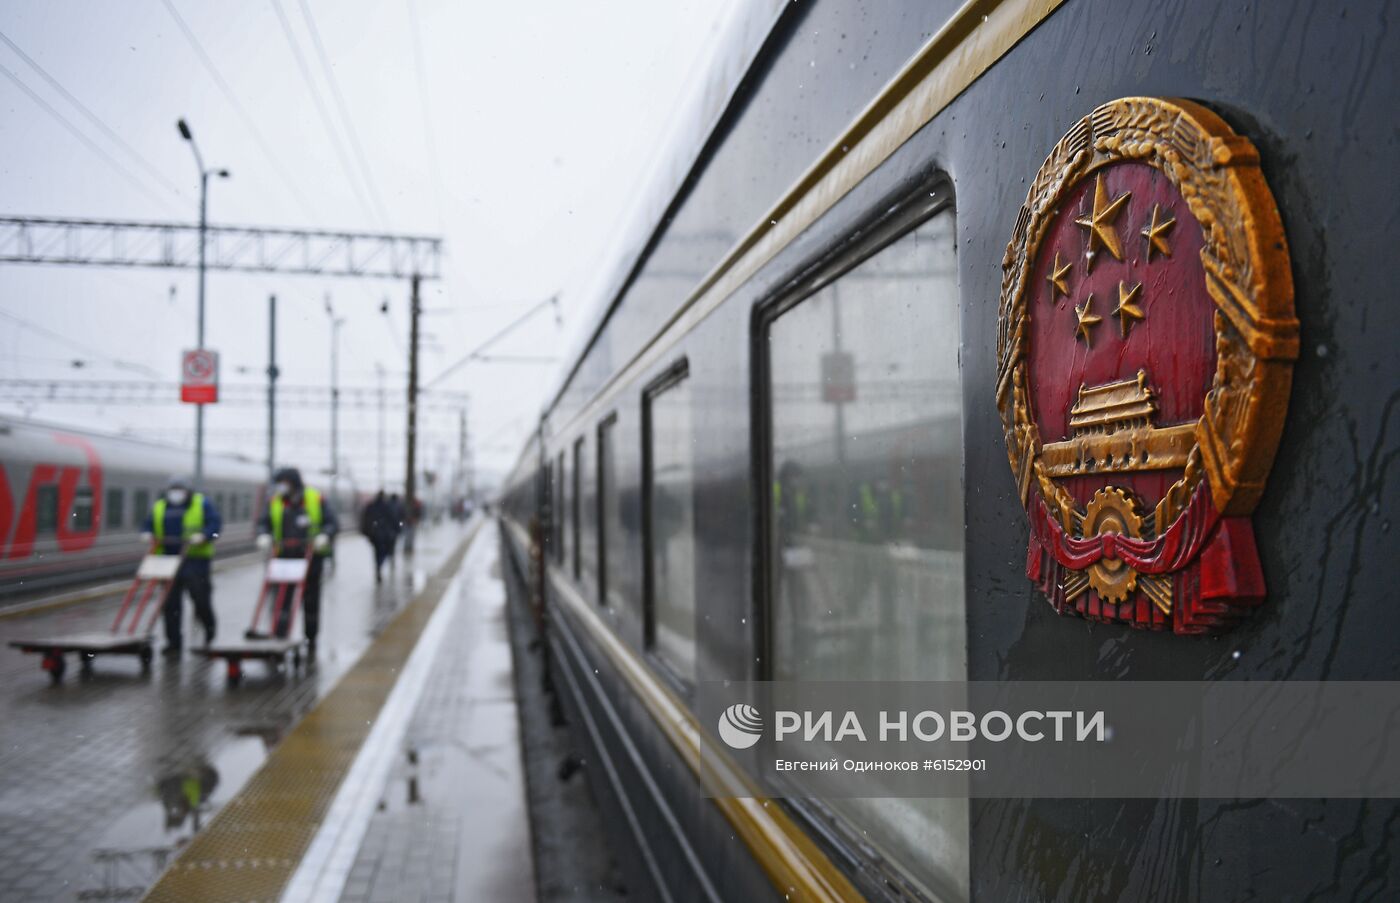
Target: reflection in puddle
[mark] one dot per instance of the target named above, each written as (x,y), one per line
(137,847)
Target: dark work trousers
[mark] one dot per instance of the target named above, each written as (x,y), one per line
(310,601)
(383,548)
(193,577)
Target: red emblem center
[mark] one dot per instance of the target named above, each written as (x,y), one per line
(1142,310)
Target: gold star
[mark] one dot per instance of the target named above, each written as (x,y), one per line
(1127,307)
(1086,320)
(1100,222)
(1156,233)
(1057,277)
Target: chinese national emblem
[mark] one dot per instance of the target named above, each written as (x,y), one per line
(1145,354)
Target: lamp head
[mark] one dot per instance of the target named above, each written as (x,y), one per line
(184,130)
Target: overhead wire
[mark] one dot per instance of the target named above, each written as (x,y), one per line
(336,141)
(242,111)
(430,138)
(348,123)
(85,349)
(87,142)
(92,117)
(476,353)
(424,101)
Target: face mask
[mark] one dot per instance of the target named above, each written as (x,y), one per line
(176,496)
(284,489)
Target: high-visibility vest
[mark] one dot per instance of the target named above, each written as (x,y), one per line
(799,497)
(192,523)
(869,505)
(311,499)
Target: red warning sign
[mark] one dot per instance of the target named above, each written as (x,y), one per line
(199,376)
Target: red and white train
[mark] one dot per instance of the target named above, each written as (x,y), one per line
(72,501)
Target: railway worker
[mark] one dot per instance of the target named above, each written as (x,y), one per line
(378,525)
(183,518)
(298,515)
(791,503)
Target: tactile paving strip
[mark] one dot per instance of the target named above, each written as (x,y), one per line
(252,847)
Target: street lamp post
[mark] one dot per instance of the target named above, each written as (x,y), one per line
(204,175)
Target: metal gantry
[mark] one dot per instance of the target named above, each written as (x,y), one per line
(248,249)
(199,246)
(139,392)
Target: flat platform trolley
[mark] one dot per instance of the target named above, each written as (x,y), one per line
(154,576)
(287,576)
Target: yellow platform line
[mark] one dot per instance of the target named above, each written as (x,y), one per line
(256,841)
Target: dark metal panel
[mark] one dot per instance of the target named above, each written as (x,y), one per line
(1314,87)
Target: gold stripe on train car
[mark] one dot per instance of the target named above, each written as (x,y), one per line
(968,44)
(256,841)
(792,861)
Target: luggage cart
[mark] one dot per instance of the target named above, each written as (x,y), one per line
(288,577)
(154,576)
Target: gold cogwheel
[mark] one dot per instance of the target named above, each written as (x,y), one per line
(1112,510)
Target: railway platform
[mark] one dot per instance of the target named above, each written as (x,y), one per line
(390,769)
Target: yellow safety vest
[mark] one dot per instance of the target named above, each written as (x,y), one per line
(311,498)
(192,523)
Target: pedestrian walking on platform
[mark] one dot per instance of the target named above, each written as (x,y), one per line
(185,520)
(296,516)
(379,526)
(399,515)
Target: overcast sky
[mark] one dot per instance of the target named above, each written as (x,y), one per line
(520,132)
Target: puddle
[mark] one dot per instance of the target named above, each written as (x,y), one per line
(138,846)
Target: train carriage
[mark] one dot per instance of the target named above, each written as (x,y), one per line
(72,501)
(1131,249)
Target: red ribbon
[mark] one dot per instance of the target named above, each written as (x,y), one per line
(1170,551)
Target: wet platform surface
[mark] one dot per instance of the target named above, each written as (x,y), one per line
(105,779)
(450,821)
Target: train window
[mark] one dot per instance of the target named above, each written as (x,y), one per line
(587,561)
(560,510)
(80,517)
(669,532)
(545,491)
(610,551)
(864,541)
(46,509)
(116,508)
(140,507)
(576,503)
(219,503)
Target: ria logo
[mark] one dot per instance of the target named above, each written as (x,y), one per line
(740,726)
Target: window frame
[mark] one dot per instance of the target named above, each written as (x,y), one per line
(600,509)
(79,494)
(140,507)
(46,498)
(677,373)
(114,508)
(576,505)
(908,210)
(544,489)
(557,507)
